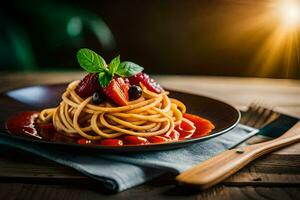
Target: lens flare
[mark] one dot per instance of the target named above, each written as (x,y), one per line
(290,13)
(270,30)
(281,47)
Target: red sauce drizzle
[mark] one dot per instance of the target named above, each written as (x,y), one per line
(24,124)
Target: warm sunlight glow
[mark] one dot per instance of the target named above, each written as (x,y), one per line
(273,28)
(282,44)
(290,13)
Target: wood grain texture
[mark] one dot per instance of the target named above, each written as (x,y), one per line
(227,163)
(169,191)
(270,170)
(275,176)
(38,168)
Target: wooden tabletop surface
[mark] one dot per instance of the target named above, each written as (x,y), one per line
(275,176)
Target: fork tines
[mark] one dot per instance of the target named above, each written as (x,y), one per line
(258,116)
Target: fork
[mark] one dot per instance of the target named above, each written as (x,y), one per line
(258,116)
(225,164)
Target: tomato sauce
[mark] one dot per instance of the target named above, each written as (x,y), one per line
(25,124)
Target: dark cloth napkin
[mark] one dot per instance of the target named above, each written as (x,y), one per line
(118,172)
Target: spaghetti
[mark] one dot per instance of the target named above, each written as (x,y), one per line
(150,115)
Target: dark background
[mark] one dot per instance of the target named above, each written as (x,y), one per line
(204,37)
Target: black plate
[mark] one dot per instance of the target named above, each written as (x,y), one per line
(224,116)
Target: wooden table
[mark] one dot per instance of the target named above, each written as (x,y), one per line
(275,176)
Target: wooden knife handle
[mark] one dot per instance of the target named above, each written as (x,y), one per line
(225,164)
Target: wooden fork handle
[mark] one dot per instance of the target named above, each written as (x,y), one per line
(220,167)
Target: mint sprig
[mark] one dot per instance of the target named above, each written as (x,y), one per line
(127,69)
(114,65)
(94,63)
(104,78)
(90,61)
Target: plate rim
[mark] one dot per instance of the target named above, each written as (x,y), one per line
(126,148)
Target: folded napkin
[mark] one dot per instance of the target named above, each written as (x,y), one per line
(118,172)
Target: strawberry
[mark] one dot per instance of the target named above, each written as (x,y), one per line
(148,82)
(134,140)
(83,141)
(203,126)
(111,142)
(117,91)
(157,139)
(125,87)
(173,136)
(186,129)
(88,85)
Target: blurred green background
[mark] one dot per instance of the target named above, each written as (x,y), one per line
(199,37)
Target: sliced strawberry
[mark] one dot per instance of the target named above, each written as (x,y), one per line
(124,87)
(186,129)
(134,140)
(157,139)
(117,91)
(88,85)
(173,136)
(126,80)
(111,142)
(203,126)
(148,82)
(187,125)
(83,141)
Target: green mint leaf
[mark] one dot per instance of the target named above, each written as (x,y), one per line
(114,64)
(90,61)
(104,78)
(127,69)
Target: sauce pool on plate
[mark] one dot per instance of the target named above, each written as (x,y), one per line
(25,124)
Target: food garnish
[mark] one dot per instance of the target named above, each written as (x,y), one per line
(114,79)
(88,85)
(115,104)
(117,90)
(98,97)
(134,92)
(148,82)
